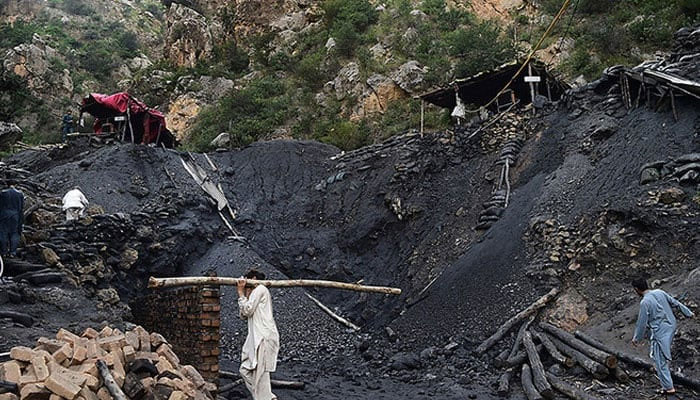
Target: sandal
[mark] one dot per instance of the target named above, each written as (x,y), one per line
(666,392)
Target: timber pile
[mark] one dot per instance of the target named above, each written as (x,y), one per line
(101,365)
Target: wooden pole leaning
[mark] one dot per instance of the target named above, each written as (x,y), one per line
(222,281)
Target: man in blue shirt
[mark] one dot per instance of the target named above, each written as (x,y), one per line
(11,219)
(656,321)
(67,126)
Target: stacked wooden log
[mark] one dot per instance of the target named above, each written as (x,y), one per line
(103,365)
(599,360)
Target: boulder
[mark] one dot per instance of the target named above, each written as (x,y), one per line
(405,361)
(409,76)
(569,311)
(671,195)
(347,83)
(649,175)
(222,140)
(9,135)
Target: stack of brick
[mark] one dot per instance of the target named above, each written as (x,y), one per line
(143,365)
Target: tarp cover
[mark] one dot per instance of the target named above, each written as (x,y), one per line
(146,122)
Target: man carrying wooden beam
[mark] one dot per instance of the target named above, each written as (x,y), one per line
(657,321)
(259,354)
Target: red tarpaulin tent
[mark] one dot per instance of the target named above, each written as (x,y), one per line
(136,121)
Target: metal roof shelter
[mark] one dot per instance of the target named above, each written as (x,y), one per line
(481,88)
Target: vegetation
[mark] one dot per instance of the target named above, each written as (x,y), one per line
(611,32)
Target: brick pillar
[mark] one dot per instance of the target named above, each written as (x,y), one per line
(190,319)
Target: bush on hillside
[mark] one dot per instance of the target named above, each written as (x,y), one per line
(248,114)
(77,7)
(344,135)
(346,21)
(15,34)
(479,47)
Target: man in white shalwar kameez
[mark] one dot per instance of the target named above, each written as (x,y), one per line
(259,355)
(74,204)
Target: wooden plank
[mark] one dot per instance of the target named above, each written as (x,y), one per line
(215,281)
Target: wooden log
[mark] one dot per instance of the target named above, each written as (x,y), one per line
(552,350)
(680,378)
(520,358)
(569,391)
(227,387)
(602,357)
(519,336)
(332,314)
(501,358)
(504,383)
(538,375)
(620,374)
(598,370)
(228,374)
(291,385)
(531,309)
(8,387)
(109,381)
(20,318)
(214,280)
(528,387)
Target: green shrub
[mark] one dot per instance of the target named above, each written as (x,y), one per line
(310,70)
(247,114)
(651,30)
(479,47)
(13,35)
(691,8)
(344,135)
(231,57)
(77,7)
(346,21)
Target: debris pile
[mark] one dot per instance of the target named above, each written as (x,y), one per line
(142,365)
(685,169)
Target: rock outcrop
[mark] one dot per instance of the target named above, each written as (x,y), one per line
(190,36)
(9,134)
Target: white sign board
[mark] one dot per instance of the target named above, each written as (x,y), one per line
(533,79)
(120,118)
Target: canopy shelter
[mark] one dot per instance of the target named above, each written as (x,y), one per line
(480,89)
(129,118)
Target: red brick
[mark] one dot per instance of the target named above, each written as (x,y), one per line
(22,353)
(62,387)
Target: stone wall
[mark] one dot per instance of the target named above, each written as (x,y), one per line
(189,318)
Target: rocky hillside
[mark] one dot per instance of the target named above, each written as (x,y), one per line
(342,72)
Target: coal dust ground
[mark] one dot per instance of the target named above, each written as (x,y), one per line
(401,213)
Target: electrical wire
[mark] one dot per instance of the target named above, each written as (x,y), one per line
(566,32)
(529,57)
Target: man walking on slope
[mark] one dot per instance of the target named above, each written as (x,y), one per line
(74,204)
(656,317)
(11,220)
(259,355)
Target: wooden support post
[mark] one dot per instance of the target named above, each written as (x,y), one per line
(332,314)
(598,355)
(673,105)
(538,376)
(531,309)
(532,85)
(114,390)
(595,368)
(528,387)
(552,350)
(569,391)
(549,89)
(215,280)
(422,116)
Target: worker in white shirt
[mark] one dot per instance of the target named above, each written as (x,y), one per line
(259,355)
(74,204)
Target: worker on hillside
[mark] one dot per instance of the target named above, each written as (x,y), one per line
(74,204)
(11,220)
(259,355)
(459,112)
(656,320)
(67,126)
